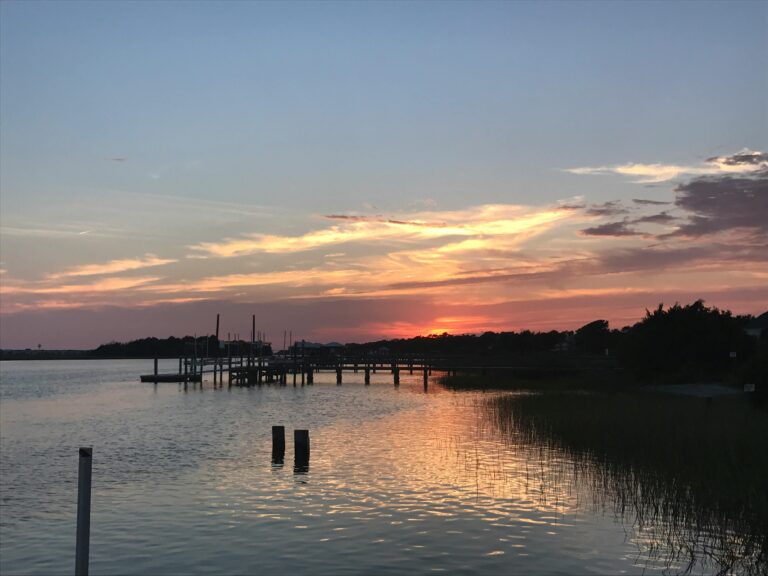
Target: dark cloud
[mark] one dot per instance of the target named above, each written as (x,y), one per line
(724,203)
(644,202)
(611,229)
(613,208)
(351,218)
(746,157)
(571,206)
(661,258)
(662,218)
(384,220)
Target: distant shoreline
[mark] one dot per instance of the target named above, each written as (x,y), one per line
(12,356)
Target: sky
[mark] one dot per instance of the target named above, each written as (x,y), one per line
(362,170)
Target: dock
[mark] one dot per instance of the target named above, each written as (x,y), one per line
(172,377)
(251,363)
(256,370)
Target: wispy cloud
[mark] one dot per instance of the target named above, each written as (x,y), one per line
(645,202)
(482,254)
(106,285)
(743,162)
(612,208)
(615,229)
(71,231)
(480,221)
(112,267)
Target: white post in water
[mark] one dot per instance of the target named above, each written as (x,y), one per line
(83,512)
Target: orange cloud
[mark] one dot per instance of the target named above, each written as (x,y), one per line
(112,267)
(492,220)
(744,162)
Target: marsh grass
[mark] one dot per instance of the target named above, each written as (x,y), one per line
(689,475)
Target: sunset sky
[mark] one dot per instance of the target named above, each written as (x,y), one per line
(355,171)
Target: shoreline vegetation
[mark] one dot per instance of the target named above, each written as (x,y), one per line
(677,345)
(687,475)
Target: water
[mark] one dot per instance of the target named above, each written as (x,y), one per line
(400,481)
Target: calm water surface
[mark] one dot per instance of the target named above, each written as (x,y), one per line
(401,480)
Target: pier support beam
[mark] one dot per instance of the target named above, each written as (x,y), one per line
(82,549)
(301,447)
(278,444)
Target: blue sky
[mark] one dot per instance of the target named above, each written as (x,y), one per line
(153,128)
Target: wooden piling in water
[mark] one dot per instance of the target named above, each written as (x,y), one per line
(338,375)
(301,447)
(396,373)
(278,444)
(82,546)
(367,375)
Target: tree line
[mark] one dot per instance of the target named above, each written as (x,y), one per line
(690,343)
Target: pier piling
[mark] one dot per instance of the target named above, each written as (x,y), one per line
(83,512)
(301,447)
(278,444)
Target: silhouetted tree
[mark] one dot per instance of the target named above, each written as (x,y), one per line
(685,343)
(593,338)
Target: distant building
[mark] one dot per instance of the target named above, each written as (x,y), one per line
(566,344)
(758,327)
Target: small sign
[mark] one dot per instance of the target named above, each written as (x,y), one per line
(749,387)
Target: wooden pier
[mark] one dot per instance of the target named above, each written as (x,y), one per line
(250,363)
(258,370)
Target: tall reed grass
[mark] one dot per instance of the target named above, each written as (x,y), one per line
(690,475)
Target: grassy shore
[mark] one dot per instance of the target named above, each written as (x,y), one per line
(692,471)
